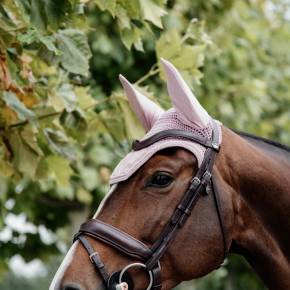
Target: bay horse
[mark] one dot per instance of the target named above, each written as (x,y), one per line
(251,176)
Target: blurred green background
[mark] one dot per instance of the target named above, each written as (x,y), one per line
(235,57)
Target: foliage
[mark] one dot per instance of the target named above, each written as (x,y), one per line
(47,111)
(59,67)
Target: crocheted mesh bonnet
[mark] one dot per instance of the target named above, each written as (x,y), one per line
(135,159)
(186,114)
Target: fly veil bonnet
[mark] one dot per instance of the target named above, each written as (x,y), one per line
(186,125)
(187,114)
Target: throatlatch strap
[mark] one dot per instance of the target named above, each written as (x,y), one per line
(222,222)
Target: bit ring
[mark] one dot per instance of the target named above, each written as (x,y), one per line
(133,265)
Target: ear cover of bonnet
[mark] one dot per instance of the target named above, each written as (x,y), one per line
(146,111)
(189,110)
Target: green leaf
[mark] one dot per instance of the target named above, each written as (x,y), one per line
(25,158)
(132,7)
(29,134)
(7,31)
(54,13)
(100,5)
(43,171)
(130,36)
(188,57)
(144,92)
(32,35)
(133,127)
(6,168)
(48,41)
(12,66)
(38,66)
(93,122)
(3,190)
(123,19)
(48,56)
(60,143)
(75,125)
(75,51)
(112,122)
(139,45)
(68,97)
(26,9)
(84,98)
(109,5)
(29,36)
(71,120)
(75,3)
(168,48)
(22,112)
(152,12)
(61,169)
(38,16)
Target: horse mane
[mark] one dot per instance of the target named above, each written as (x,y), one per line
(267,141)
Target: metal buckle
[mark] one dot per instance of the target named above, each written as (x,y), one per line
(195,179)
(92,255)
(215,146)
(207,173)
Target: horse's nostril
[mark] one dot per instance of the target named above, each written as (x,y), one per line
(71,286)
(75,286)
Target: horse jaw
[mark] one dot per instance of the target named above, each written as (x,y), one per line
(189,110)
(146,111)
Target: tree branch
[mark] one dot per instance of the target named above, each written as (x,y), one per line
(57,113)
(149,74)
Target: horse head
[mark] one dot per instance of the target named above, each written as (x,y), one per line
(147,194)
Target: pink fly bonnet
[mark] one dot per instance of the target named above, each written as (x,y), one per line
(186,114)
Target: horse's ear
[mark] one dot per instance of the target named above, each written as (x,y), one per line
(146,111)
(189,111)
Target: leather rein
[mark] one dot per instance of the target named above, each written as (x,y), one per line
(203,181)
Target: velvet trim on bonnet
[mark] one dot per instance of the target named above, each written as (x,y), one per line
(187,114)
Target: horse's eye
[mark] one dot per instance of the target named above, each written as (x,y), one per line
(161,180)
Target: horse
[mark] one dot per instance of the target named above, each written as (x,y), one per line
(251,176)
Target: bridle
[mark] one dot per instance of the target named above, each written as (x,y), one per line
(203,181)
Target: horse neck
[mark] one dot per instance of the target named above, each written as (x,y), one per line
(258,175)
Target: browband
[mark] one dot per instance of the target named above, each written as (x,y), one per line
(138,145)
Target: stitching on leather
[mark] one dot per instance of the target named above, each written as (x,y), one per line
(141,244)
(203,141)
(113,244)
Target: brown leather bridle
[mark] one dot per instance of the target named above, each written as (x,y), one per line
(203,180)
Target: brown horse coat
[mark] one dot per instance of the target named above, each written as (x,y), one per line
(253,184)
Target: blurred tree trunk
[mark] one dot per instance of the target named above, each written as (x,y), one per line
(230,280)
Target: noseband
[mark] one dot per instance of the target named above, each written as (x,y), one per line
(203,181)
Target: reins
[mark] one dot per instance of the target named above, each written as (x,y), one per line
(203,181)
